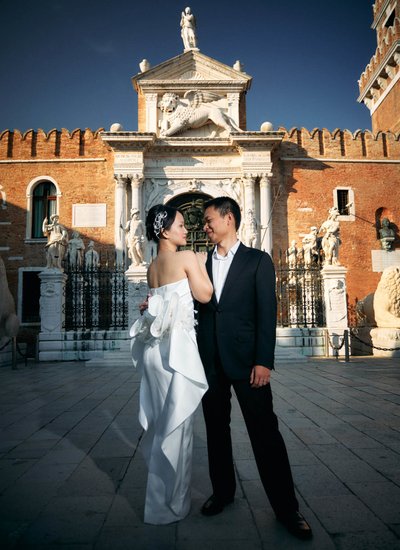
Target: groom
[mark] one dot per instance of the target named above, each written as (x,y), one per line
(236,338)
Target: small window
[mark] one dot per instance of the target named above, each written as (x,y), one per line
(390,20)
(343,202)
(30,297)
(44,204)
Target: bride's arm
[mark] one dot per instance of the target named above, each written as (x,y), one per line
(199,281)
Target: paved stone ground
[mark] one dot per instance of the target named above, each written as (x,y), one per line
(72,475)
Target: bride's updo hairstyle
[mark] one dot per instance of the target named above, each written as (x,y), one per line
(159,219)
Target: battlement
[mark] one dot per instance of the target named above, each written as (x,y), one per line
(340,144)
(54,144)
(387,39)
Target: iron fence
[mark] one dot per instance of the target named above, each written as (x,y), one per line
(299,292)
(96,296)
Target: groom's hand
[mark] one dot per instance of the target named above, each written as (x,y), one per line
(260,376)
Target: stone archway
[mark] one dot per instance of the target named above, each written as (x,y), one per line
(192,207)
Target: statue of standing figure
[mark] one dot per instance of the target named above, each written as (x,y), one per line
(310,247)
(331,241)
(251,229)
(188,32)
(76,249)
(57,241)
(135,234)
(91,257)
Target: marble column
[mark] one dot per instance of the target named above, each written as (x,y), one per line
(266,213)
(249,194)
(120,215)
(136,186)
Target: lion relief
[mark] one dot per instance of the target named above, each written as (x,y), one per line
(382,308)
(192,111)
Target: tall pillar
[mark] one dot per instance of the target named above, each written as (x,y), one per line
(266,213)
(136,183)
(249,194)
(120,215)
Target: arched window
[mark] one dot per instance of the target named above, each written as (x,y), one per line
(44,204)
(42,196)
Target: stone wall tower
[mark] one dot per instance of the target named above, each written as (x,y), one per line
(380,82)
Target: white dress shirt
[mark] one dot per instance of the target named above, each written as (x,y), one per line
(220,268)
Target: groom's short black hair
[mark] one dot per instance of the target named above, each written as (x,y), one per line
(224,205)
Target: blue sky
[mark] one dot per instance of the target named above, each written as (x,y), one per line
(68,63)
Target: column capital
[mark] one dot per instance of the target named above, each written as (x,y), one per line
(265,179)
(121,180)
(136,179)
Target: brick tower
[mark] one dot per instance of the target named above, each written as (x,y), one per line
(380,82)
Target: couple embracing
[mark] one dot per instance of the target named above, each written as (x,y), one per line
(232,347)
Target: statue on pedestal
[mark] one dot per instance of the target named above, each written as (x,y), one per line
(291,255)
(310,247)
(135,234)
(386,235)
(57,241)
(188,32)
(331,240)
(91,257)
(76,249)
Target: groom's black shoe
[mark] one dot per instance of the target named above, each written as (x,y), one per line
(296,525)
(214,505)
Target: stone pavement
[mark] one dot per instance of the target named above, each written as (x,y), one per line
(72,475)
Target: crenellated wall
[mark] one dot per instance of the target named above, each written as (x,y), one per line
(340,144)
(53,144)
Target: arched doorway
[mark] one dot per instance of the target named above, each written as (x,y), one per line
(192,207)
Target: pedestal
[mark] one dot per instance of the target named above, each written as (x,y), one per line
(334,281)
(51,314)
(137,291)
(387,338)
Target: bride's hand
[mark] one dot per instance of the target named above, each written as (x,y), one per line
(201,257)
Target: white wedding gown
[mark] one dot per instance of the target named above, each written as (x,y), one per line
(172,385)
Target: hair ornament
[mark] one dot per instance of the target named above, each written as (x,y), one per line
(158,222)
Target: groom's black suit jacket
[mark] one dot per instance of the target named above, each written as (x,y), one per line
(240,329)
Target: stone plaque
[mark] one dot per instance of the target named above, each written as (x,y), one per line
(89,215)
(384,258)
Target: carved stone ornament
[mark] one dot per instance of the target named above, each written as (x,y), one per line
(194,110)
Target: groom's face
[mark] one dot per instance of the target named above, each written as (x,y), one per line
(217,227)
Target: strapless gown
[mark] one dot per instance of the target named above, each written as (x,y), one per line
(173,382)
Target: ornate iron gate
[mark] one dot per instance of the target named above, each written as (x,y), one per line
(96,297)
(299,294)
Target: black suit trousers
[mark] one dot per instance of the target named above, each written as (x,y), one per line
(266,440)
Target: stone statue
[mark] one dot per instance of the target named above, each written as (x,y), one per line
(9,322)
(91,257)
(330,240)
(188,30)
(291,255)
(76,249)
(382,307)
(386,235)
(310,247)
(135,234)
(57,241)
(192,111)
(251,229)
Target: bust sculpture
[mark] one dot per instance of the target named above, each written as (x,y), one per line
(386,235)
(188,30)
(57,241)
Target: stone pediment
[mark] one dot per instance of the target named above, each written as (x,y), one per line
(182,70)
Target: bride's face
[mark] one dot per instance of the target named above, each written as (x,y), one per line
(177,233)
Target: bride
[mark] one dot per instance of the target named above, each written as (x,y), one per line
(173,380)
